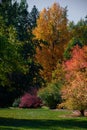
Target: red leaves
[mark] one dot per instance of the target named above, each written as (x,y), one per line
(78,60)
(30,101)
(75,90)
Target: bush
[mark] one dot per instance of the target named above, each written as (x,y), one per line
(30,101)
(16,102)
(51,95)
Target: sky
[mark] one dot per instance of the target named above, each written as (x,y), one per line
(77,9)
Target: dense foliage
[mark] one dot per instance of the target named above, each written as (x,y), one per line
(42,49)
(30,101)
(51,95)
(52,28)
(75,90)
(18,69)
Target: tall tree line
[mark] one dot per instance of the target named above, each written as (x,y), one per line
(33,46)
(19,71)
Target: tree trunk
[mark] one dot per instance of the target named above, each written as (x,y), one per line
(82,112)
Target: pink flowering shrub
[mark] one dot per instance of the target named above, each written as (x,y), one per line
(30,101)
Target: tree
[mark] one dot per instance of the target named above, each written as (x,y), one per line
(33,16)
(79,30)
(52,28)
(23,22)
(18,49)
(27,21)
(10,58)
(9,11)
(58,75)
(72,43)
(78,34)
(10,61)
(75,90)
(16,14)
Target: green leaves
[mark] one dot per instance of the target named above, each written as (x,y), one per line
(73,42)
(51,95)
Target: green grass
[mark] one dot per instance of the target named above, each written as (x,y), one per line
(40,119)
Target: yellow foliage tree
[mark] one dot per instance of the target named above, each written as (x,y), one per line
(52,28)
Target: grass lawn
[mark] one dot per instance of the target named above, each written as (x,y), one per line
(40,119)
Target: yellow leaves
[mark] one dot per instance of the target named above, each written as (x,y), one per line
(51,27)
(75,92)
(50,23)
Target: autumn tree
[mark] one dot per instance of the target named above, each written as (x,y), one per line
(52,28)
(75,90)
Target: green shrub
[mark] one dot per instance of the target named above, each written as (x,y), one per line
(16,102)
(51,95)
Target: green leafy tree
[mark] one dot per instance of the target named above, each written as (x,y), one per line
(9,52)
(10,61)
(9,11)
(19,71)
(80,31)
(78,36)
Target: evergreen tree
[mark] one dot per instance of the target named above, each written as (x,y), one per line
(16,18)
(34,15)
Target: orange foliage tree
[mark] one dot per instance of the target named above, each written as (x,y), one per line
(75,91)
(52,28)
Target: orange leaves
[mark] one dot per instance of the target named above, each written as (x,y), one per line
(44,56)
(50,23)
(75,89)
(52,28)
(78,60)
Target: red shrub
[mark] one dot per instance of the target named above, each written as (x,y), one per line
(30,101)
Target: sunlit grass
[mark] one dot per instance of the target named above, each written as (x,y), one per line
(40,119)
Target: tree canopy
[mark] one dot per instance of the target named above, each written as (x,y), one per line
(52,28)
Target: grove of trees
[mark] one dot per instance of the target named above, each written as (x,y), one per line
(19,71)
(42,54)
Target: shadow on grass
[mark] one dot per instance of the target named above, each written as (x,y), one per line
(10,123)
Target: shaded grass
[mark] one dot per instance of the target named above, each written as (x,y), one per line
(40,119)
